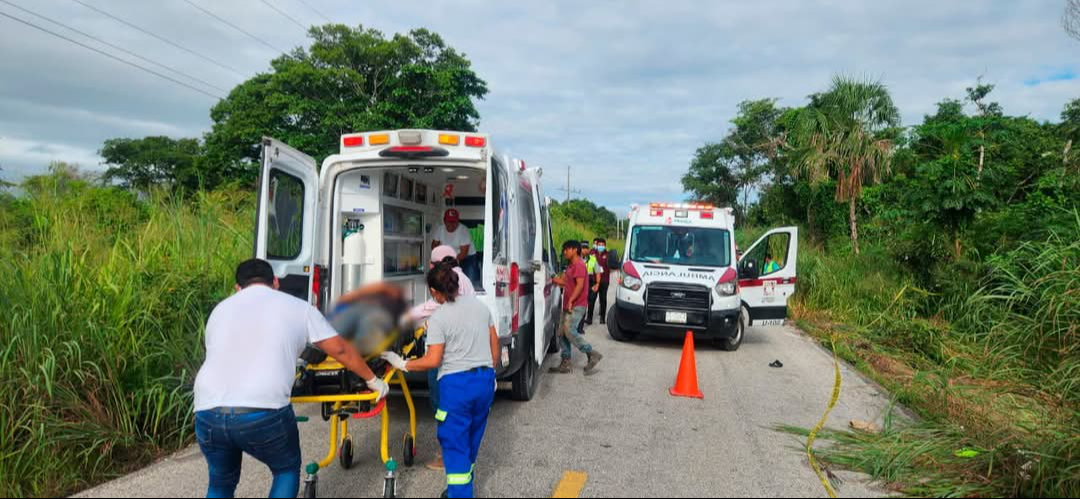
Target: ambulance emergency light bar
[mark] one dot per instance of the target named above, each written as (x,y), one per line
(682,209)
(410,138)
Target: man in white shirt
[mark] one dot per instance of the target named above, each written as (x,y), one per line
(253,341)
(454,235)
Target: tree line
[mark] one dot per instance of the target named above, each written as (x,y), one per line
(350,79)
(966,180)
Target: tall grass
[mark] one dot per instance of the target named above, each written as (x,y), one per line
(995,370)
(105,298)
(565,229)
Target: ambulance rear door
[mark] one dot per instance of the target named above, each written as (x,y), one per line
(286,214)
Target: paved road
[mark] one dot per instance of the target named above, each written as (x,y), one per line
(619,426)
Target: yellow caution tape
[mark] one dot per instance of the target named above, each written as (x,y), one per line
(821,424)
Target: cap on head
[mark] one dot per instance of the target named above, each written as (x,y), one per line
(440,253)
(452,215)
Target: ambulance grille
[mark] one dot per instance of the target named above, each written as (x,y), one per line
(677,297)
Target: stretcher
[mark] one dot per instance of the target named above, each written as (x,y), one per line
(343,396)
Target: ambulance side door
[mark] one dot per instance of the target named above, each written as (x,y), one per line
(546,293)
(286,214)
(767,272)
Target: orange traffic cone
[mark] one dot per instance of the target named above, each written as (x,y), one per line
(686,383)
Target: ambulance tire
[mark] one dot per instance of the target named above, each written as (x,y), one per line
(553,345)
(732,344)
(616,332)
(523,382)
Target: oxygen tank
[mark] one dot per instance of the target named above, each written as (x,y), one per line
(352,260)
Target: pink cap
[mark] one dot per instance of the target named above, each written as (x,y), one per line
(440,253)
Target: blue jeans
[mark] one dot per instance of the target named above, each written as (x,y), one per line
(270,436)
(433,388)
(472,267)
(464,406)
(570,337)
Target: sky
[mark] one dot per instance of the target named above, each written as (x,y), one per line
(622,92)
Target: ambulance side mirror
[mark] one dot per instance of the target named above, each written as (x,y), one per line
(747,270)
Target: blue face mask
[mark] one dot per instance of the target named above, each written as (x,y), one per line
(601,248)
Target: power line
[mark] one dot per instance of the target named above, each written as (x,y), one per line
(285,15)
(106,54)
(121,49)
(568,190)
(313,9)
(233,26)
(159,37)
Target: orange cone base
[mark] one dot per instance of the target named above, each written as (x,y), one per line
(697,395)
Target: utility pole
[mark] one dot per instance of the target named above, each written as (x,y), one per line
(568,190)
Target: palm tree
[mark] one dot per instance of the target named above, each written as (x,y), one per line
(839,136)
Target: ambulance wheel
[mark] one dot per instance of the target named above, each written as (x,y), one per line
(523,382)
(616,332)
(732,344)
(310,489)
(346,455)
(408,450)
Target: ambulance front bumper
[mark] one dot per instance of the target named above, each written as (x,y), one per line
(705,324)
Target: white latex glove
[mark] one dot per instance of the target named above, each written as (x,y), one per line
(395,360)
(379,386)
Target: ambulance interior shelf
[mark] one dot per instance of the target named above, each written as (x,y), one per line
(403,241)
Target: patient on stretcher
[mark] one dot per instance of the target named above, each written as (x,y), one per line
(371,318)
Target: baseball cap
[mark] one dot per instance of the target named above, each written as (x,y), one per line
(451,215)
(441,252)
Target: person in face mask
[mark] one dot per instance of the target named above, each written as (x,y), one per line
(603,279)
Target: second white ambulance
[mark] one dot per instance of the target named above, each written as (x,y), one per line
(681,274)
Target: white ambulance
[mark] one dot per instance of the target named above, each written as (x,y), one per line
(369,214)
(681,274)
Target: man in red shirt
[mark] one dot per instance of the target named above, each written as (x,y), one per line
(575,284)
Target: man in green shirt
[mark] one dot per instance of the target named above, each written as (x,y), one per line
(770,265)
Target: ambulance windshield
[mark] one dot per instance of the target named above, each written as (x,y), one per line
(680,246)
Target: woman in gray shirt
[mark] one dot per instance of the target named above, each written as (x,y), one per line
(463,345)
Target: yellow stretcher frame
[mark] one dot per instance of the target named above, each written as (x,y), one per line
(339,422)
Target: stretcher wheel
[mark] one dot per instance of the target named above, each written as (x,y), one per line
(327,411)
(390,488)
(345,457)
(408,450)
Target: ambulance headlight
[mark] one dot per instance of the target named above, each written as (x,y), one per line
(726,289)
(631,283)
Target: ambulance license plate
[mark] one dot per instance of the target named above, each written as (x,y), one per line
(676,317)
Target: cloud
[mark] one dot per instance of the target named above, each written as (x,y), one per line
(17,154)
(623,91)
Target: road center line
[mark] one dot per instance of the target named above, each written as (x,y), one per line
(571,484)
